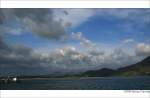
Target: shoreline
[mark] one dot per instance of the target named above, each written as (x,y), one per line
(88,77)
(62,78)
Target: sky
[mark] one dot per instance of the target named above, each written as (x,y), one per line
(62,41)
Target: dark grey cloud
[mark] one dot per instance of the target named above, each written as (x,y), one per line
(19,60)
(1,42)
(38,21)
(1,17)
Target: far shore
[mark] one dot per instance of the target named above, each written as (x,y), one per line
(59,78)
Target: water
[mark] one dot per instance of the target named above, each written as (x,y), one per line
(107,83)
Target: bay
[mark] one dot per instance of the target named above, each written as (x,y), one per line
(87,83)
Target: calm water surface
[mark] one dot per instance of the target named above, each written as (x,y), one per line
(99,83)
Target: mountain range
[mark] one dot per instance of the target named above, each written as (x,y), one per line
(139,69)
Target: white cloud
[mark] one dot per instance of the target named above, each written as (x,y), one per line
(143,49)
(11,30)
(83,41)
(130,40)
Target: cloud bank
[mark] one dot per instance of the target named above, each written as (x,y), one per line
(19,59)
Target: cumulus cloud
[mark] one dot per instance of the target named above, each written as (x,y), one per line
(83,41)
(143,49)
(70,57)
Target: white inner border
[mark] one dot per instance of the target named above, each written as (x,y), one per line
(75,4)
(74,94)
